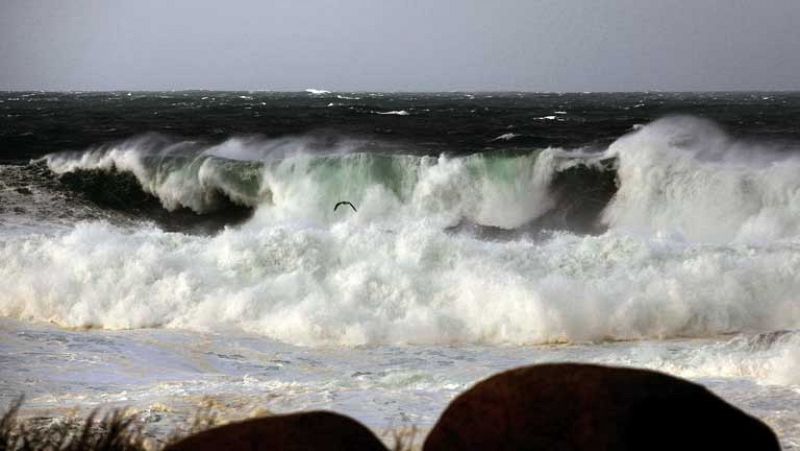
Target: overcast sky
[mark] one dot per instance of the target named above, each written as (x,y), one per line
(407,45)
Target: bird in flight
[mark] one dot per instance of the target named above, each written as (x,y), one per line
(344,202)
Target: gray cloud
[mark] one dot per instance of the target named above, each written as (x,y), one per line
(538,45)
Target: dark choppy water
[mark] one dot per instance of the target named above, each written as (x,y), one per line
(33,124)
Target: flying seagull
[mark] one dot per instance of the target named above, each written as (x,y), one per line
(344,202)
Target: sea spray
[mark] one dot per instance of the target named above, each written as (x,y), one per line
(685,177)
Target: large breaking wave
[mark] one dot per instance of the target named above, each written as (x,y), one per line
(288,181)
(693,234)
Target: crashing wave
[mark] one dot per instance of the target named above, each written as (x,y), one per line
(685,177)
(680,177)
(286,179)
(701,240)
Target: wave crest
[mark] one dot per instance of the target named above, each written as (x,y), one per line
(290,180)
(685,177)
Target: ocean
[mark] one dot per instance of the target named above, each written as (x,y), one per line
(174,251)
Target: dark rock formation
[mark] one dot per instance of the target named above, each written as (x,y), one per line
(300,431)
(588,407)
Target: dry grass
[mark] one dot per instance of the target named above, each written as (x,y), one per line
(118,430)
(115,431)
(122,430)
(405,439)
(206,417)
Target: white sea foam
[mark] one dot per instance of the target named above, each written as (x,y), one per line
(393,113)
(381,283)
(166,374)
(317,92)
(685,177)
(772,358)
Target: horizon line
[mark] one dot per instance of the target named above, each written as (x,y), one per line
(457,91)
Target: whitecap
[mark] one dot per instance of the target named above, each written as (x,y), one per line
(506,137)
(395,113)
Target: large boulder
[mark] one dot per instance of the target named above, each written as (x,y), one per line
(580,407)
(294,432)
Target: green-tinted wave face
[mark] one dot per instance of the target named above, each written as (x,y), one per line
(350,175)
(493,190)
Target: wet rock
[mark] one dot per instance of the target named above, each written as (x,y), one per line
(299,431)
(580,407)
